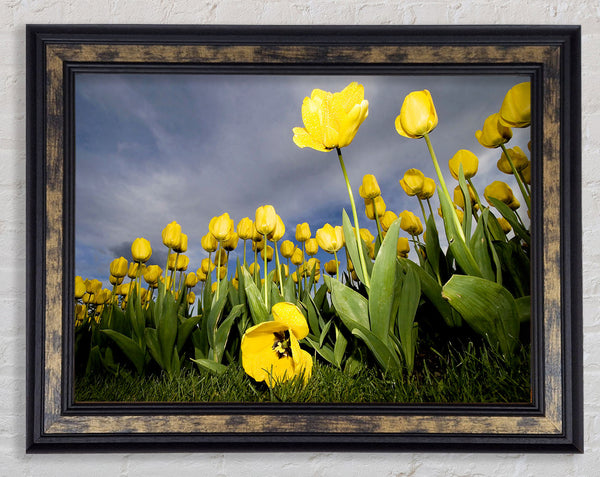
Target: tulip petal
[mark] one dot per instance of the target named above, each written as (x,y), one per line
(290,316)
(303,139)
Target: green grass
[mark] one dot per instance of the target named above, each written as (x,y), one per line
(471,375)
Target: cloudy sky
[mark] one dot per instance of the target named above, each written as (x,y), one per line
(154,148)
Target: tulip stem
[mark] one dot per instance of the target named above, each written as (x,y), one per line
(430,209)
(377,221)
(278,268)
(337,266)
(423,210)
(438,171)
(517,177)
(244,252)
(265,285)
(361,257)
(217,272)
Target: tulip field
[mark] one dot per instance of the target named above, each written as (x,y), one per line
(433,307)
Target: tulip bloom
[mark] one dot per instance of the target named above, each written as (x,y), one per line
(141,250)
(80,288)
(469,162)
(417,116)
(388,219)
(152,274)
(412,182)
(331,120)
(118,267)
(402,247)
(375,204)
(411,223)
(171,235)
(287,248)
(302,232)
(518,158)
(312,247)
(369,188)
(330,239)
(221,227)
(428,189)
(245,228)
(231,243)
(265,220)
(515,111)
(209,243)
(501,191)
(366,236)
(331,267)
(270,350)
(297,256)
(493,133)
(278,232)
(181,247)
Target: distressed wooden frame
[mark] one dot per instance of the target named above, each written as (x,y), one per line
(553,419)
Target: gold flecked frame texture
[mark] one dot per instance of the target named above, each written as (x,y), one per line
(552,421)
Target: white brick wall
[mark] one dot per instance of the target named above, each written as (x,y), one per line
(14,14)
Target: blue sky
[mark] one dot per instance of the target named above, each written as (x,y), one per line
(154,148)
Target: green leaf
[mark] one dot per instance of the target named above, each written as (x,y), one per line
(410,295)
(384,353)
(524,308)
(468,215)
(210,365)
(479,247)
(432,247)
(258,311)
(166,330)
(213,319)
(339,348)
(352,246)
(487,307)
(383,284)
(185,329)
(433,291)
(324,351)
(129,347)
(485,218)
(511,216)
(223,332)
(152,344)
(351,307)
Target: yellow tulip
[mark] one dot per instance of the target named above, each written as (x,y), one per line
(231,243)
(312,266)
(297,256)
(269,251)
(410,223)
(428,189)
(493,133)
(270,350)
(459,213)
(191,298)
(182,262)
(254,267)
(207,266)
(171,235)
(245,228)
(302,232)
(118,267)
(387,220)
(80,287)
(331,267)
(258,244)
(209,243)
(213,287)
(181,247)
(518,158)
(412,182)
(374,204)
(499,190)
(312,247)
(331,120)
(152,274)
(201,275)
(221,273)
(417,116)
(134,269)
(402,247)
(469,162)
(329,238)
(278,232)
(506,227)
(115,280)
(220,257)
(221,227)
(515,111)
(141,250)
(265,220)
(369,188)
(284,271)
(526,173)
(459,198)
(287,248)
(366,235)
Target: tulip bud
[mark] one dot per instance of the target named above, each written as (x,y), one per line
(265,219)
(151,274)
(506,227)
(182,262)
(191,298)
(459,198)
(141,250)
(254,267)
(287,248)
(329,238)
(312,247)
(372,205)
(221,227)
(469,162)
(297,256)
(231,243)
(493,133)
(80,287)
(278,232)
(366,235)
(428,189)
(331,267)
(369,188)
(302,232)
(518,158)
(412,182)
(236,283)
(118,267)
(181,247)
(245,228)
(201,275)
(213,287)
(387,220)
(411,223)
(171,235)
(209,242)
(499,190)
(269,251)
(417,116)
(206,266)
(515,111)
(115,280)
(93,287)
(402,247)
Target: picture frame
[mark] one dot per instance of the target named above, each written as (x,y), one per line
(552,422)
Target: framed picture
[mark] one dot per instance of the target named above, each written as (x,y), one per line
(294,238)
